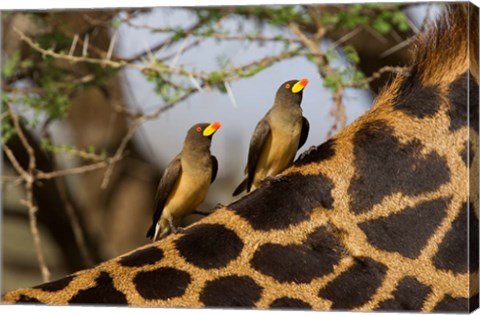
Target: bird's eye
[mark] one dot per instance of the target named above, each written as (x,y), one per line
(199,129)
(287,86)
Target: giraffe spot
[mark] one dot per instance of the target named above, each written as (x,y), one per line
(162,283)
(385,166)
(103,292)
(406,232)
(355,286)
(416,99)
(467,154)
(409,295)
(473,302)
(287,302)
(285,200)
(452,252)
(142,257)
(299,263)
(26,299)
(231,291)
(463,101)
(209,246)
(451,304)
(315,154)
(55,285)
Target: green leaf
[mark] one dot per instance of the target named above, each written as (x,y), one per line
(382,26)
(116,23)
(10,65)
(178,35)
(331,55)
(45,144)
(216,76)
(223,61)
(331,82)
(329,19)
(6,98)
(7,130)
(27,63)
(401,20)
(351,54)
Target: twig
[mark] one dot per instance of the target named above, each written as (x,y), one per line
(85,46)
(11,178)
(121,149)
(179,53)
(346,37)
(338,112)
(51,53)
(247,37)
(230,94)
(195,83)
(11,157)
(376,75)
(76,170)
(313,46)
(397,47)
(111,46)
(32,215)
(23,139)
(29,179)
(92,48)
(164,108)
(238,72)
(74,45)
(375,34)
(161,45)
(325,70)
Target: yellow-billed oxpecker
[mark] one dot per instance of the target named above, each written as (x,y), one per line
(277,137)
(185,181)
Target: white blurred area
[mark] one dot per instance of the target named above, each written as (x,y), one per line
(162,139)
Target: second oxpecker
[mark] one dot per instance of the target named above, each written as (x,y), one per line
(185,181)
(277,137)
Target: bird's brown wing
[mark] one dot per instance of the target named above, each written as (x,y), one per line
(304,132)
(214,167)
(167,183)
(257,143)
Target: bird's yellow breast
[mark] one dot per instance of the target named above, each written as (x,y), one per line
(278,152)
(189,192)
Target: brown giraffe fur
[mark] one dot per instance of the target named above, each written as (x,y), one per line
(318,236)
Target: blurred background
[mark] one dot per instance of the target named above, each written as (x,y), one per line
(95,103)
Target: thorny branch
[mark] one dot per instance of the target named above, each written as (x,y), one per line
(325,70)
(234,73)
(30,177)
(308,47)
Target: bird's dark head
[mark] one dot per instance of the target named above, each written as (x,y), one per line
(290,93)
(201,134)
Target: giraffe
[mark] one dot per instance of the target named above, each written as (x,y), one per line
(380,217)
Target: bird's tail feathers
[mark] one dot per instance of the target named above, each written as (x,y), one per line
(240,188)
(151,231)
(159,230)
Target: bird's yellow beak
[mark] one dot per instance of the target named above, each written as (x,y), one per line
(210,130)
(300,85)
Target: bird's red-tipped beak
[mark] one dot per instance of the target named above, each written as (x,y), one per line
(211,129)
(299,86)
